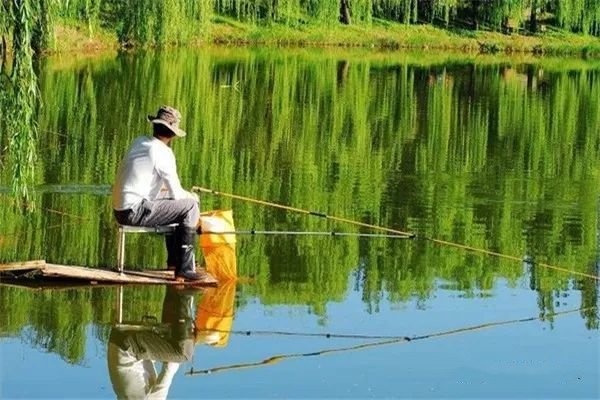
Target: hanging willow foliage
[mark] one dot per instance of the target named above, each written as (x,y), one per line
(149,22)
(87,11)
(405,11)
(580,15)
(20,99)
(321,11)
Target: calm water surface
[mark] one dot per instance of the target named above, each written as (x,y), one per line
(498,154)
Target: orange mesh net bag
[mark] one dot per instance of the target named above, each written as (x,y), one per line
(217,245)
(216,223)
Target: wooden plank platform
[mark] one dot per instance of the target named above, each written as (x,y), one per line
(40,270)
(22,266)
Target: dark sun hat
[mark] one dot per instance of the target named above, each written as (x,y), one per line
(169,117)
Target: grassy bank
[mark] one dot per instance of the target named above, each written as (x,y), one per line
(75,37)
(384,34)
(72,37)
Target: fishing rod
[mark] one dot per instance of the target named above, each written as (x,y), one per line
(525,259)
(394,340)
(301,211)
(307,233)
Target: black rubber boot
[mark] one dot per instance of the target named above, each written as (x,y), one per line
(172,250)
(185,269)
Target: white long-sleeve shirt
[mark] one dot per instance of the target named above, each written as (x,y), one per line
(148,167)
(137,379)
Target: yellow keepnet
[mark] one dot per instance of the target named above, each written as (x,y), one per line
(217,245)
(215,223)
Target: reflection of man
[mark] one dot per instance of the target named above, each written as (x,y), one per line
(133,350)
(146,172)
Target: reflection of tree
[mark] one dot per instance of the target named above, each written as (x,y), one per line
(61,325)
(589,288)
(463,157)
(342,72)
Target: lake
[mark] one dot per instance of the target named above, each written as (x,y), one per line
(493,152)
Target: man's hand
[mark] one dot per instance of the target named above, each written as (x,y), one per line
(194,196)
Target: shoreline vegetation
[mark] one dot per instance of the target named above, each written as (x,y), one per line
(73,37)
(540,27)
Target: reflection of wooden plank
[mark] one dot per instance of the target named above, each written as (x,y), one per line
(22,265)
(38,285)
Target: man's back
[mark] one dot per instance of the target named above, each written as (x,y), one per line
(141,173)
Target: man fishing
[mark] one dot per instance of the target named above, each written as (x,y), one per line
(147,192)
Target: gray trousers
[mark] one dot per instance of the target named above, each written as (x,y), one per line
(184,212)
(174,343)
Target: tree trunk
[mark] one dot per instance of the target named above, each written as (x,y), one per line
(533,25)
(415,12)
(475,14)
(345,12)
(3,53)
(274,9)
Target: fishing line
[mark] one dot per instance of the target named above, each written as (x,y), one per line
(64,214)
(398,232)
(303,334)
(394,340)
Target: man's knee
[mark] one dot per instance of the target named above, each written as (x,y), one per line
(192,206)
(192,214)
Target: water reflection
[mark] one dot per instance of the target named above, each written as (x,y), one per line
(135,347)
(214,319)
(497,155)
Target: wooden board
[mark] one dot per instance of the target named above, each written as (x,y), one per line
(51,274)
(103,275)
(22,266)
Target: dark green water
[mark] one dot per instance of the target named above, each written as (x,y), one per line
(502,155)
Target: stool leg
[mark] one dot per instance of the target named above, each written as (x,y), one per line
(121,251)
(120,304)
(118,247)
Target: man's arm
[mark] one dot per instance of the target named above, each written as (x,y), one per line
(167,170)
(160,389)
